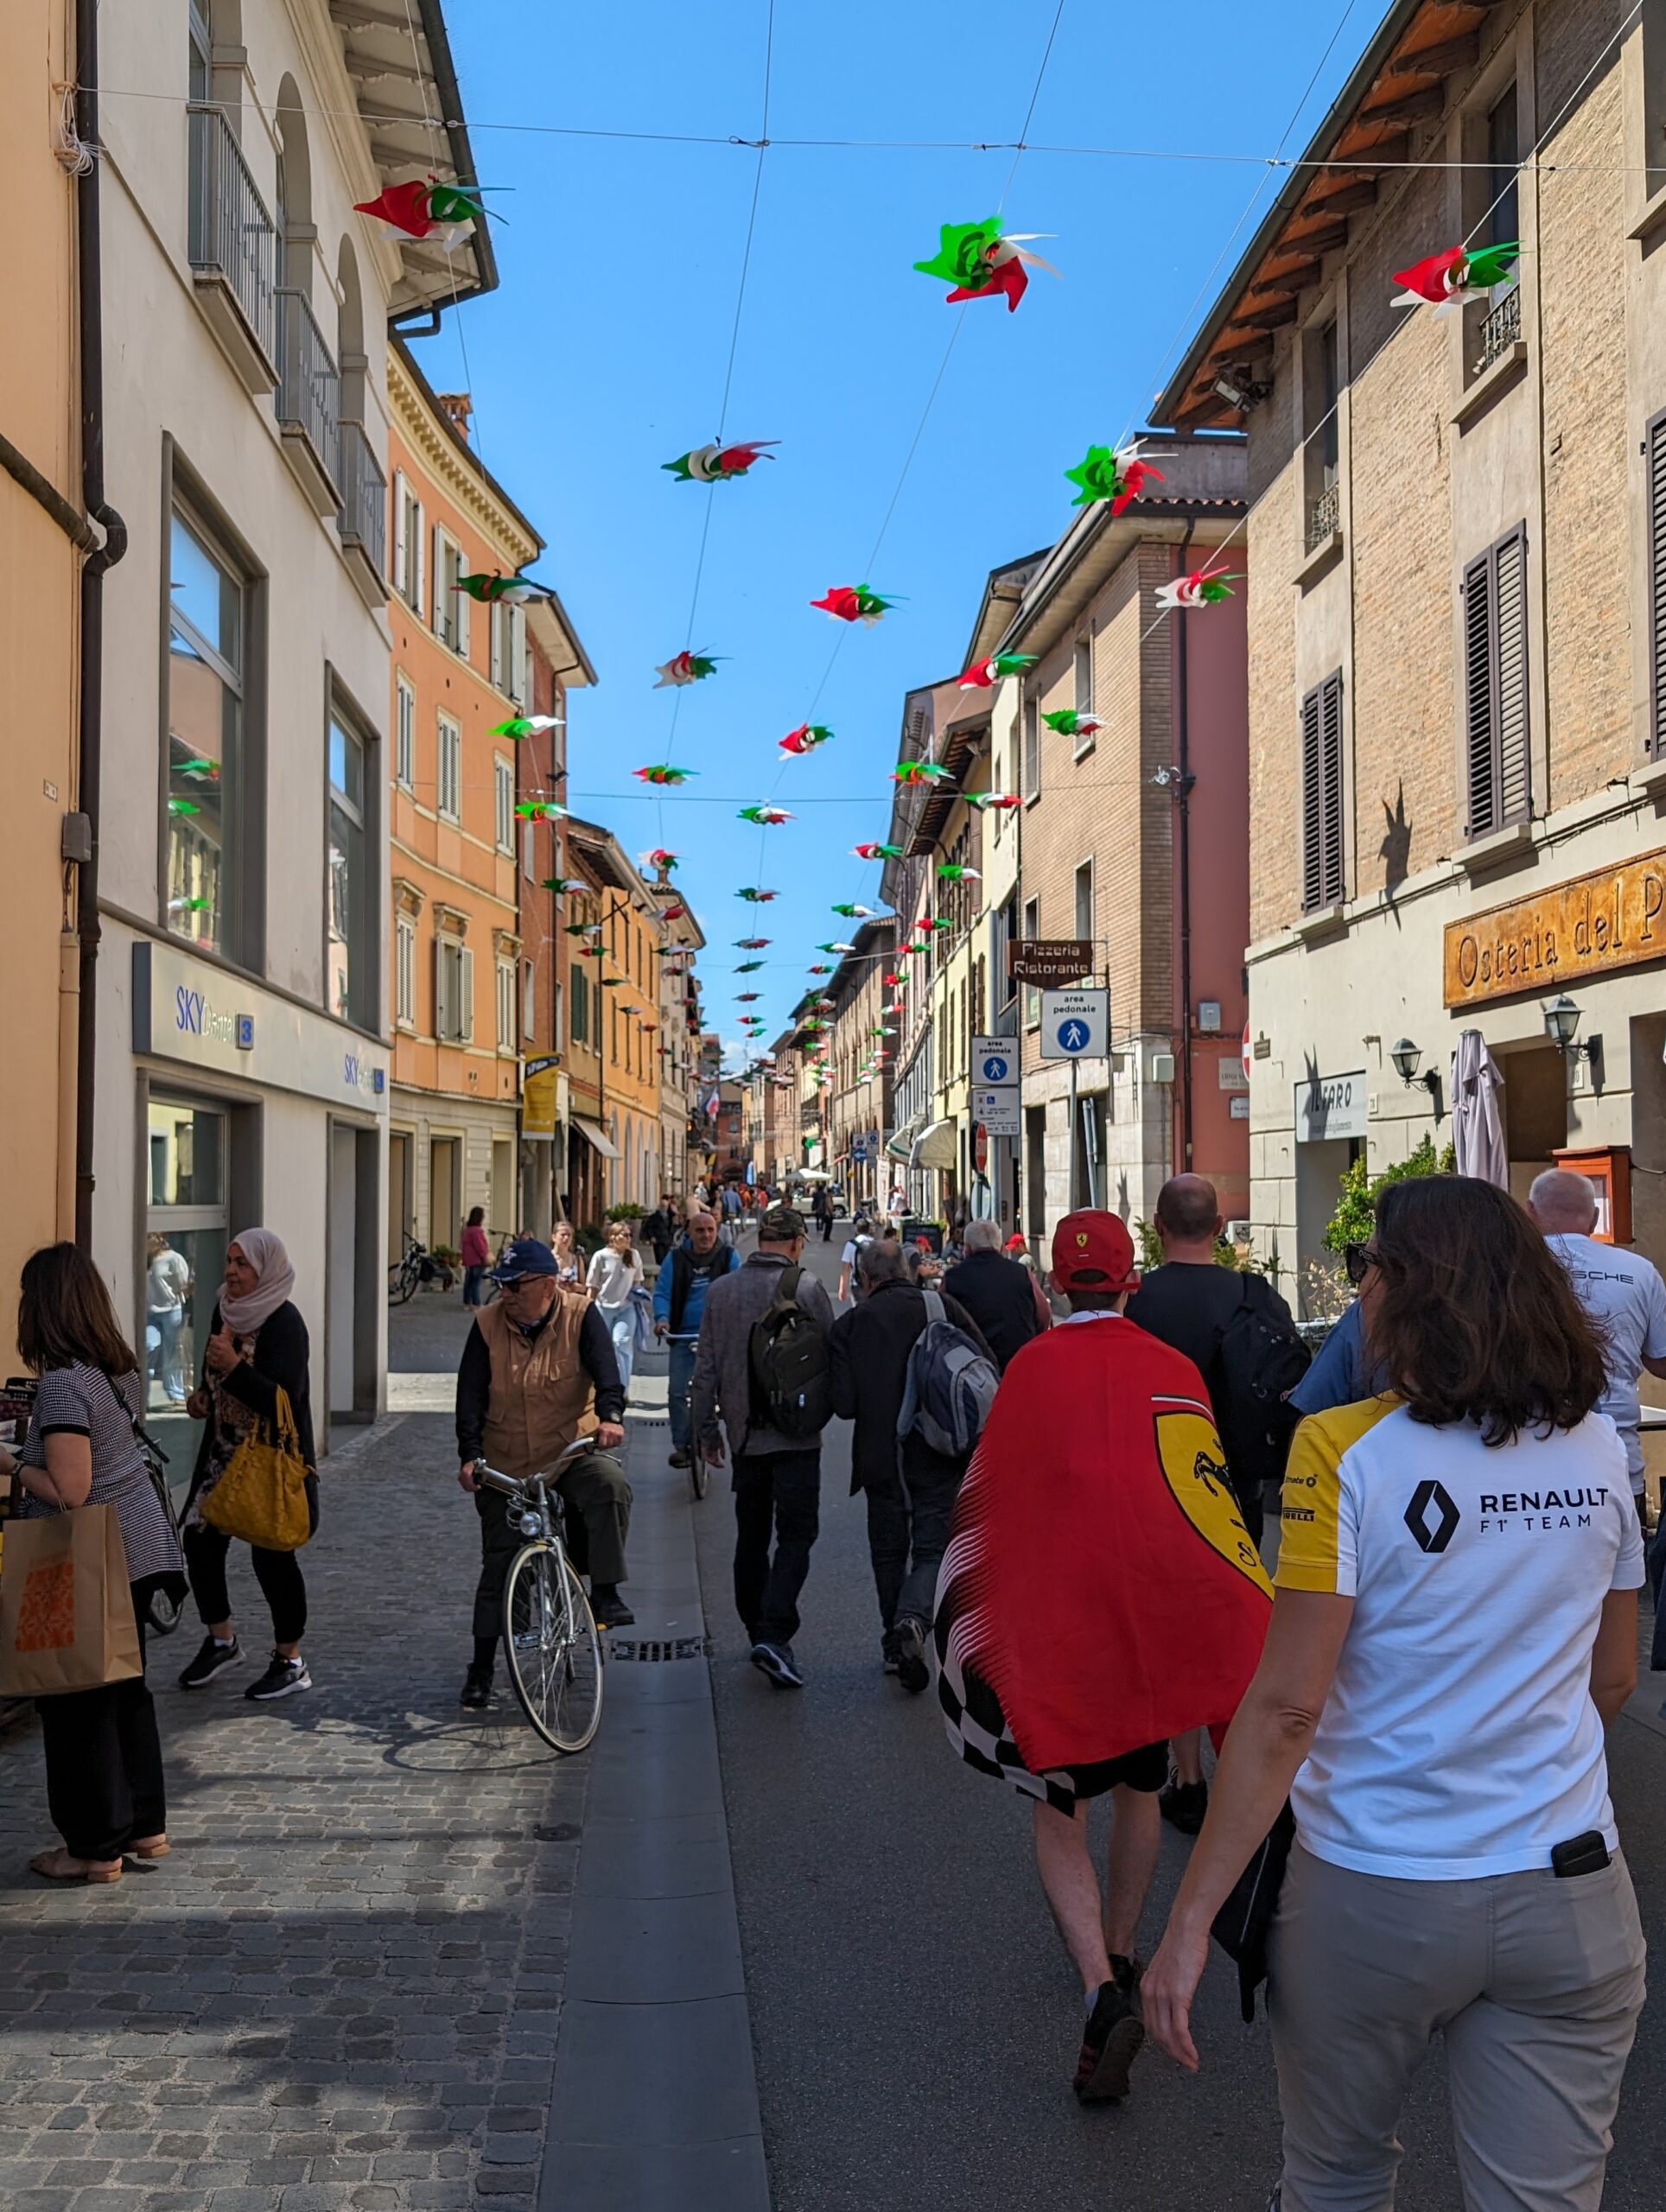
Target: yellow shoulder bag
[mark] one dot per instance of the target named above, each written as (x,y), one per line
(262,1497)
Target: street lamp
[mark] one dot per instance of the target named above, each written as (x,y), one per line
(1405,1057)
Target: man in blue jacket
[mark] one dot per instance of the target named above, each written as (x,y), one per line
(679,1300)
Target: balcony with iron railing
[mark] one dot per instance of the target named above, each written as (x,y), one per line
(309,401)
(1500,331)
(1324,517)
(231,245)
(363,519)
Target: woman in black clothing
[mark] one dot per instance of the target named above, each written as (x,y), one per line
(104,1762)
(257,1347)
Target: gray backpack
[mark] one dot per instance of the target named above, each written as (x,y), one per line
(950,1385)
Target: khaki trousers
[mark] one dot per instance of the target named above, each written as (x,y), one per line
(1534,1982)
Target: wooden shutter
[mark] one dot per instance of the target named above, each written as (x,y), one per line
(461,604)
(417,580)
(444,1024)
(1323,874)
(1497,761)
(1480,750)
(466,966)
(517,684)
(398,534)
(436,612)
(1655,452)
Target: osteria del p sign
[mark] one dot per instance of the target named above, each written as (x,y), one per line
(1614,917)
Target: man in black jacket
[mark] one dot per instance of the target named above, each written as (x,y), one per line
(996,1292)
(909,1487)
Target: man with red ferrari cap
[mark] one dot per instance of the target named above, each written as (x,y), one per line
(1098,1596)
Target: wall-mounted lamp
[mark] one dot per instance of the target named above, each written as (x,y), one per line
(1562,1023)
(1242,392)
(1407,1056)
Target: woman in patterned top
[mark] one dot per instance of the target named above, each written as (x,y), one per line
(103,1757)
(256,1347)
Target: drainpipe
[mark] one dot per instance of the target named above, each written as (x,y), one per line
(91,733)
(1183,763)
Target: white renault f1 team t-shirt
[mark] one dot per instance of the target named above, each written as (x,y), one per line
(1458,1738)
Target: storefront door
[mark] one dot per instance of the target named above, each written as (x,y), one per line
(187,1229)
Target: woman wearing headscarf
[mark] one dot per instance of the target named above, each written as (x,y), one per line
(257,1347)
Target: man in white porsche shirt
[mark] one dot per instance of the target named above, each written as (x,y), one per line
(1621,1291)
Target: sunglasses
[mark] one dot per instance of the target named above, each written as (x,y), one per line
(1358,1259)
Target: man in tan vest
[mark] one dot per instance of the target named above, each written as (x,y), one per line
(539,1370)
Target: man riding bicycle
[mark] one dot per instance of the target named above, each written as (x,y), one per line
(679,1300)
(536,1371)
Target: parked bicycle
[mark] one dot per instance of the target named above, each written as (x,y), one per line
(550,1635)
(406,1275)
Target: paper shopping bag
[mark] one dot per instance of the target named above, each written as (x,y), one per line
(66,1604)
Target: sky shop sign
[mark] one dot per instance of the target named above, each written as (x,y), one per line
(1614,918)
(187,1012)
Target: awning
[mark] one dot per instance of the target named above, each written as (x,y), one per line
(899,1144)
(598,1139)
(937,1145)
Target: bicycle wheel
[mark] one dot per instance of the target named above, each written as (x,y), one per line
(554,1651)
(402,1280)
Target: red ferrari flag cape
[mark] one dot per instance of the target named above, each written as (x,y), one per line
(1099,1591)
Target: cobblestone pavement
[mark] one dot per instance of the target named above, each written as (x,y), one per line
(341,1989)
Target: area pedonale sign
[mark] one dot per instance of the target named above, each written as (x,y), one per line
(1614,918)
(1049,962)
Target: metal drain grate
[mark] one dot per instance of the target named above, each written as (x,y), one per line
(649,1647)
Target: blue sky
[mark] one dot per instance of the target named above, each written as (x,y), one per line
(603,354)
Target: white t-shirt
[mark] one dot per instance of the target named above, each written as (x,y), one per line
(1626,1293)
(612,1277)
(1458,1738)
(166,1282)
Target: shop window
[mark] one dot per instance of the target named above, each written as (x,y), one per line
(352,959)
(450,791)
(453,992)
(1321,795)
(187,1224)
(405,970)
(503,779)
(1496,763)
(404,733)
(207,644)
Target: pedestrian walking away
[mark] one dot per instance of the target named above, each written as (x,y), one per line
(167,1285)
(1240,1336)
(909,1487)
(862,1230)
(820,1206)
(615,1272)
(1081,1622)
(659,1228)
(679,1302)
(257,1349)
(773,1436)
(1454,1626)
(104,1786)
(537,1372)
(475,1254)
(1000,1296)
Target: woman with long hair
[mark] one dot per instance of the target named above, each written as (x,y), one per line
(476,1255)
(256,1347)
(1455,1624)
(569,1258)
(615,1272)
(104,1785)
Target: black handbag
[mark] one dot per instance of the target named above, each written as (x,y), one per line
(1242,1925)
(167,1592)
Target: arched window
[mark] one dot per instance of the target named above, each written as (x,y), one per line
(296,234)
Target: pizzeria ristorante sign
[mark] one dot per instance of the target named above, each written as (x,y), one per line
(1614,918)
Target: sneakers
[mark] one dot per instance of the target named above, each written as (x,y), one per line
(914,1669)
(609,1610)
(776,1660)
(281,1678)
(477,1688)
(210,1658)
(1111,2039)
(679,1457)
(1183,1804)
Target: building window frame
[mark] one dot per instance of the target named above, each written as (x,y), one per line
(1322,384)
(350,913)
(1498,720)
(1032,711)
(448,783)
(404,731)
(1082,689)
(508,1031)
(409,543)
(1082,885)
(450,605)
(1032,994)
(454,990)
(503,793)
(405,971)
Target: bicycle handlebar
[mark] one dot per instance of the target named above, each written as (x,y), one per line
(516,1485)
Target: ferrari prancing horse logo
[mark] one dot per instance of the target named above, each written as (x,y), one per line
(1195,1467)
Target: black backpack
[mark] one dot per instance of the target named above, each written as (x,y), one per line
(788,1366)
(1258,1361)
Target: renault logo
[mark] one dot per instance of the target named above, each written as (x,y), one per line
(1432,1516)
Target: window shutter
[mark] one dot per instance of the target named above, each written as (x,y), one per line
(465,963)
(517,674)
(1480,746)
(1312,815)
(400,541)
(442,1020)
(436,612)
(461,604)
(494,616)
(1510,623)
(1656,445)
(416,580)
(1333,886)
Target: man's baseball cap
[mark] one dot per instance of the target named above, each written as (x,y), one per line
(1092,1251)
(1015,1243)
(525,1257)
(780,1225)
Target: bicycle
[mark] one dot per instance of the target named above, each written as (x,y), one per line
(699,1471)
(549,1634)
(404,1274)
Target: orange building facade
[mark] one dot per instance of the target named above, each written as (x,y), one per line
(455,962)
(614,1006)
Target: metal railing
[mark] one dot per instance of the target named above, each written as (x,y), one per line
(308,382)
(229,233)
(363,520)
(1501,329)
(1325,516)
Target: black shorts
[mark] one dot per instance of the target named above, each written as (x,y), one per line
(1145,1771)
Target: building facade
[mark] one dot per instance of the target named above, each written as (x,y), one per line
(616,972)
(1458,728)
(677,1043)
(861,1058)
(243,1074)
(460,670)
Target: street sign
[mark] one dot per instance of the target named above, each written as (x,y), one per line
(1247,1050)
(981,1149)
(862,1150)
(1237,1106)
(994,1063)
(998,1111)
(1049,961)
(1074,1024)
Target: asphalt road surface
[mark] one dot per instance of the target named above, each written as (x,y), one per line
(914,2019)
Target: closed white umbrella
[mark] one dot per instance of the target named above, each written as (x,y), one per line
(1478,1135)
